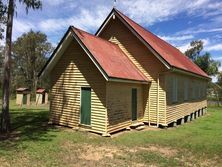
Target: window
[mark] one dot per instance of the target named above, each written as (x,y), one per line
(193,90)
(200,90)
(204,90)
(175,89)
(186,89)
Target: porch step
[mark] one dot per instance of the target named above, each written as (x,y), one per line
(140,127)
(137,124)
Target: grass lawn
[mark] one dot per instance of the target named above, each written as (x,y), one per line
(34,143)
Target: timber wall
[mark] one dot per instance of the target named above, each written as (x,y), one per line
(119,105)
(118,33)
(73,71)
(196,100)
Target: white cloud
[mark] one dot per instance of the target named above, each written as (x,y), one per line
(21,26)
(55,2)
(184,47)
(85,19)
(208,45)
(218,58)
(148,11)
(199,30)
(177,38)
(216,47)
(2,42)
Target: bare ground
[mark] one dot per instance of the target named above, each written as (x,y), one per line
(103,155)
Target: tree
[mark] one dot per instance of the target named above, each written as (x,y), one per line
(219,83)
(195,48)
(30,52)
(33,4)
(205,61)
(207,64)
(1,70)
(1,63)
(2,18)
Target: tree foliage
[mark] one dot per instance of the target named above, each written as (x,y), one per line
(219,79)
(204,61)
(195,48)
(30,53)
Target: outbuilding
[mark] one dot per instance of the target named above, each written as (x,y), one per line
(41,96)
(23,96)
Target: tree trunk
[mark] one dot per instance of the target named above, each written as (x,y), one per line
(5,117)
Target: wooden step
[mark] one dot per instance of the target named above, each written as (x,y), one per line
(140,127)
(134,125)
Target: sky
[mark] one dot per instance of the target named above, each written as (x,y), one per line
(177,21)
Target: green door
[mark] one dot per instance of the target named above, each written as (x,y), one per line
(85,106)
(134,104)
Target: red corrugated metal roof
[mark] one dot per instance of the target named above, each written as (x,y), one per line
(110,57)
(169,53)
(40,90)
(22,89)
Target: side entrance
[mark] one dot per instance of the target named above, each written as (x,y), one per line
(134,104)
(85,111)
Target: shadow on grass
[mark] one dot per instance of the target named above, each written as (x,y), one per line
(27,125)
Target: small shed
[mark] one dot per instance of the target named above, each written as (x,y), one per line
(23,96)
(41,96)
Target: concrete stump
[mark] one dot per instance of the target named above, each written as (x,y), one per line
(202,112)
(194,115)
(182,121)
(198,113)
(175,124)
(189,118)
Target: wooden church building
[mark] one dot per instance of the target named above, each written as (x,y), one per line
(120,76)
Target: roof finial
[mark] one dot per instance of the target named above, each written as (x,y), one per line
(114,3)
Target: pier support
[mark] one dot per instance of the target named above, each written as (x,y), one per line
(182,121)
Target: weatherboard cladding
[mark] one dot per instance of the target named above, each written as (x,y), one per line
(146,62)
(169,53)
(73,71)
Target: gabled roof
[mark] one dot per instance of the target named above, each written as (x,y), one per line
(40,90)
(168,53)
(107,56)
(22,89)
(110,57)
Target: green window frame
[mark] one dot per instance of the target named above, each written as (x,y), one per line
(186,88)
(193,90)
(175,90)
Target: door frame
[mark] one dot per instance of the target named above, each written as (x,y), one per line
(80,105)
